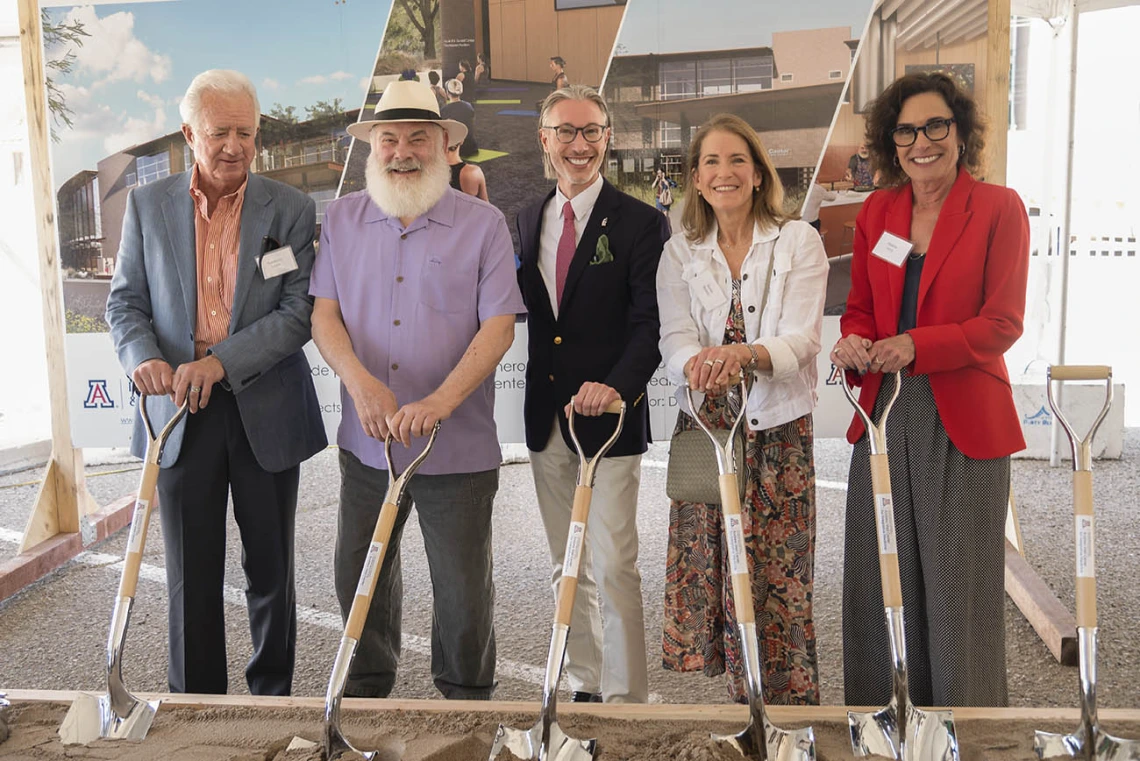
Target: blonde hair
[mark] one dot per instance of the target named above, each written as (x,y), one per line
(570,92)
(767,203)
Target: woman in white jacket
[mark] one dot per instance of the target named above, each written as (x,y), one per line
(741,290)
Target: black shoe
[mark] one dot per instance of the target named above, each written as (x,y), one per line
(585,697)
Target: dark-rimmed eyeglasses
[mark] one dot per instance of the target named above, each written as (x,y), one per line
(568,134)
(935,130)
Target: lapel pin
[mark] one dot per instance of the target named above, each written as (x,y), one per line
(604,220)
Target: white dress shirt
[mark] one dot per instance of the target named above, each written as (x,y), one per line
(583,206)
(789,328)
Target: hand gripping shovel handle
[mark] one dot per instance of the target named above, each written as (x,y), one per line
(140,520)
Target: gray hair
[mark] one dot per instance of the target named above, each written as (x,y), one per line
(571,92)
(215,82)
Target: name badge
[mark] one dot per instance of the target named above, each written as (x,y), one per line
(708,290)
(891,248)
(277,262)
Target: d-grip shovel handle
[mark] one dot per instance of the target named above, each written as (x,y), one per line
(374,559)
(1082,483)
(140,520)
(889,574)
(580,513)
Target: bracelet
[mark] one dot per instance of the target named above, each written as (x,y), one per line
(754,362)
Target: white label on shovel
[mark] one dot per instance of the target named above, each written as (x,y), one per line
(134,543)
(734,529)
(1086,553)
(573,556)
(886,509)
(364,586)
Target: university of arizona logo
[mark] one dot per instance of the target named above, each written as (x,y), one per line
(97,395)
(835,378)
(1040,417)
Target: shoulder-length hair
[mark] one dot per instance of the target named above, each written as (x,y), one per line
(767,204)
(883,117)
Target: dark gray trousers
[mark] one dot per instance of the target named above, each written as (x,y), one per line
(455,518)
(216,461)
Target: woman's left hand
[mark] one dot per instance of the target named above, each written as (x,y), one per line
(892,354)
(711,369)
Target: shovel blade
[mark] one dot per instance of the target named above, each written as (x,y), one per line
(775,744)
(1077,745)
(930,735)
(92,717)
(527,745)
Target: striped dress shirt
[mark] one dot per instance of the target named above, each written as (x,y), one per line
(217,241)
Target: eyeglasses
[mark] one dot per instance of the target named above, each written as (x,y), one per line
(935,129)
(567,134)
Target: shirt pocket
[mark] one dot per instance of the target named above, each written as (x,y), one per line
(448,286)
(781,271)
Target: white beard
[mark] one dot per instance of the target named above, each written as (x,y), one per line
(407,198)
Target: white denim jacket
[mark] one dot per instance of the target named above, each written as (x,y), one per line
(789,328)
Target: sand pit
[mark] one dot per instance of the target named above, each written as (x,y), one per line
(436,732)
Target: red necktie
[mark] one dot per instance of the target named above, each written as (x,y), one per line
(566,246)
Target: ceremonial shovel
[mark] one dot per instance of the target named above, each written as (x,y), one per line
(334,743)
(119,715)
(546,741)
(1089,741)
(900,730)
(761,739)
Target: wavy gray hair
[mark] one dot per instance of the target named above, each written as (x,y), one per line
(571,92)
(224,82)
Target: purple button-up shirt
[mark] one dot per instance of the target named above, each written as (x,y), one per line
(412,300)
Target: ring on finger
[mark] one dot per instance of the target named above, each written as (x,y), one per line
(718,361)
(709,362)
(195,388)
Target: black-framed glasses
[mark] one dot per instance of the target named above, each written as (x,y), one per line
(935,130)
(568,134)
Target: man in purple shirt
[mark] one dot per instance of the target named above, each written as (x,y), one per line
(416,300)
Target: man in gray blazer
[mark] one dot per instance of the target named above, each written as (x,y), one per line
(209,304)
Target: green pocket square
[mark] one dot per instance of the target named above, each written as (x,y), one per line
(602,252)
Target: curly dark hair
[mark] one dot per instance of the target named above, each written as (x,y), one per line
(883,116)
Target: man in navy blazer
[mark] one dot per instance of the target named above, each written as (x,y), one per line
(209,304)
(588,275)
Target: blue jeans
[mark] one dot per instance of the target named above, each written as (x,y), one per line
(455,518)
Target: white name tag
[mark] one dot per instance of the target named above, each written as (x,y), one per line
(277,262)
(891,248)
(708,290)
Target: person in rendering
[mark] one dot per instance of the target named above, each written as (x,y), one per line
(463,112)
(558,66)
(741,290)
(588,266)
(466,178)
(416,300)
(938,291)
(436,88)
(209,305)
(859,168)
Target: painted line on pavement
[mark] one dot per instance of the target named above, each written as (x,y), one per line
(331,621)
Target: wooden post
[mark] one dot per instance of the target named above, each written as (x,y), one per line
(996,106)
(63,496)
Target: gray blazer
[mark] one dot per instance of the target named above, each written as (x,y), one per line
(152,311)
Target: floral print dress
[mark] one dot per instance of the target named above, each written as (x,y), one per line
(778,509)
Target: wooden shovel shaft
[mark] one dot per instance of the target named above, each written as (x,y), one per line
(1079,372)
(736,549)
(572,557)
(140,522)
(885,530)
(369,574)
(1086,556)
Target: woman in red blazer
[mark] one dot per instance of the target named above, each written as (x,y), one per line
(938,281)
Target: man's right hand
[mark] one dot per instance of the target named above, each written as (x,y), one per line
(154,377)
(374,403)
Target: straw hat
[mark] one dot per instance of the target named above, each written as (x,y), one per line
(408,102)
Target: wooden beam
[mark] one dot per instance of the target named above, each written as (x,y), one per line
(63,497)
(1049,618)
(996,106)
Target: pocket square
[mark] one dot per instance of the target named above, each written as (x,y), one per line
(602,253)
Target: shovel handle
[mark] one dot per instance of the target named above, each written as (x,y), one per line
(1079,372)
(572,557)
(373,561)
(885,532)
(736,549)
(140,522)
(1085,548)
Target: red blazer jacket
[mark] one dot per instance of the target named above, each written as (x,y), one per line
(971,301)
